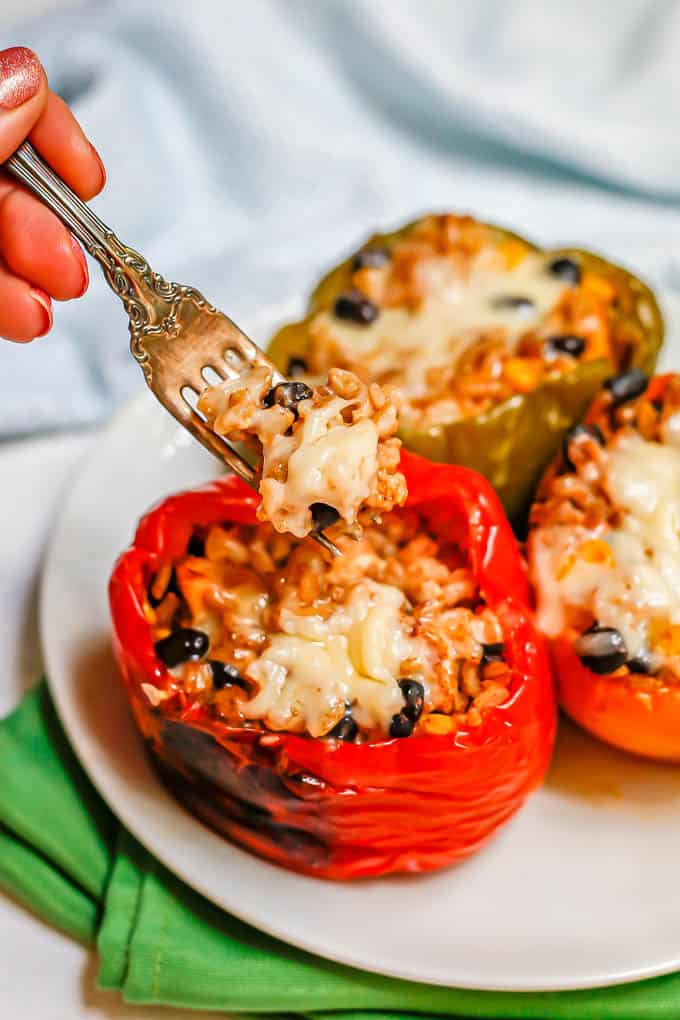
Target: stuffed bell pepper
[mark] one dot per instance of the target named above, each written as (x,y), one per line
(604,551)
(382,711)
(483,334)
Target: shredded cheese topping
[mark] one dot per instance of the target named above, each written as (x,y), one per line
(456,309)
(316,666)
(635,589)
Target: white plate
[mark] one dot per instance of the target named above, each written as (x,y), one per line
(579,890)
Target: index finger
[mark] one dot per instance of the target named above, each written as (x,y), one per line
(65,146)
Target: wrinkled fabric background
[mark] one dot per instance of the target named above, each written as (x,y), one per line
(249,145)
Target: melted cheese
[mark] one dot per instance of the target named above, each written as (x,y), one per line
(454,314)
(643,582)
(336,466)
(315,667)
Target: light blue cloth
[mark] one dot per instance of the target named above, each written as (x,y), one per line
(249,144)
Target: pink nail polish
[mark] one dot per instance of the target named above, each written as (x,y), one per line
(20,76)
(43,299)
(82,262)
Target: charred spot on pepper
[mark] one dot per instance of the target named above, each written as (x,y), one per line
(353,306)
(566,269)
(184,645)
(297,842)
(628,386)
(374,257)
(492,652)
(577,434)
(296,367)
(254,814)
(602,650)
(414,698)
(567,343)
(287,395)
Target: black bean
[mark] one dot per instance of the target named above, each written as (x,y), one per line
(296,366)
(401,725)
(576,433)
(187,645)
(640,664)
(346,729)
(566,269)
(492,652)
(323,515)
(371,258)
(172,586)
(513,301)
(356,307)
(627,386)
(196,546)
(288,395)
(601,649)
(414,696)
(574,346)
(226,675)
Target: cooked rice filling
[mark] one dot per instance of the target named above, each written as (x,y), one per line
(333,445)
(605,544)
(391,638)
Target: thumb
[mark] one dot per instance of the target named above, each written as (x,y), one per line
(23,95)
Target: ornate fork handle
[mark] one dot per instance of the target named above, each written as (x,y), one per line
(149,300)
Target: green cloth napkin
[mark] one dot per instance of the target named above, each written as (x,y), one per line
(64,855)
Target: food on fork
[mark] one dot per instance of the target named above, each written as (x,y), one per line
(383,711)
(483,335)
(327,452)
(604,551)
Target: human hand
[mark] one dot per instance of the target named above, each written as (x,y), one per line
(39,258)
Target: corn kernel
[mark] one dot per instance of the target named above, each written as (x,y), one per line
(598,286)
(597,551)
(670,642)
(513,251)
(522,374)
(437,725)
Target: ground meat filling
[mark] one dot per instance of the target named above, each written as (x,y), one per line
(390,639)
(604,545)
(326,451)
(460,318)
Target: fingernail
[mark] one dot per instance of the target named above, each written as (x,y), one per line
(20,76)
(101,164)
(43,299)
(82,262)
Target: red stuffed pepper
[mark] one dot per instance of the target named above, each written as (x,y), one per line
(385,711)
(604,549)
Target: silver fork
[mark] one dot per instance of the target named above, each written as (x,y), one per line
(175,334)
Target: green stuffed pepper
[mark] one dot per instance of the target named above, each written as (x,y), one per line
(494,346)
